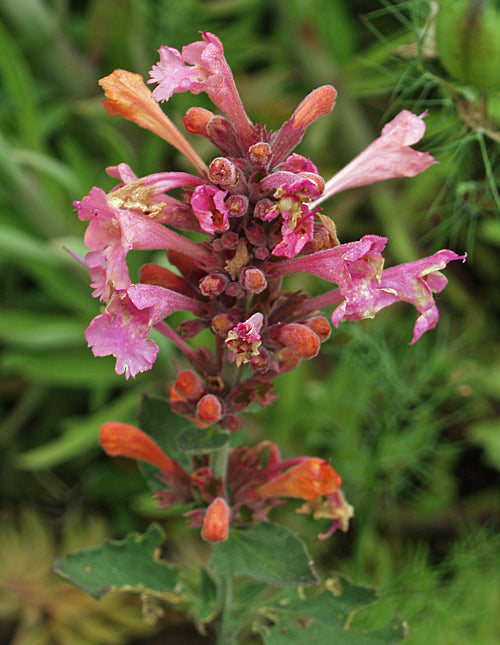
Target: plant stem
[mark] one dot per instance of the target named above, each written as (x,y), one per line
(224,603)
(219,461)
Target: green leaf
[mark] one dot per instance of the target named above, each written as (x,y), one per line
(197,441)
(131,564)
(158,421)
(323,616)
(267,552)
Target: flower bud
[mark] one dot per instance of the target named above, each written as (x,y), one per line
(216,521)
(189,385)
(197,119)
(222,323)
(253,280)
(223,172)
(213,284)
(261,252)
(259,155)
(237,205)
(468,41)
(320,326)
(302,340)
(209,409)
(235,291)
(229,240)
(287,360)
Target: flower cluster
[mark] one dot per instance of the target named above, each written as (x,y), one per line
(258,206)
(257,480)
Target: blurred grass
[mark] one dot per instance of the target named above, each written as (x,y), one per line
(412,430)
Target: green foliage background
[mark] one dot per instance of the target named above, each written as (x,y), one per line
(413,431)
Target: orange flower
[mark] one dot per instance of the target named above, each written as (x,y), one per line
(124,440)
(216,521)
(308,480)
(127,96)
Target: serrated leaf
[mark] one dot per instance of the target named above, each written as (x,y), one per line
(158,421)
(267,552)
(131,564)
(323,616)
(198,441)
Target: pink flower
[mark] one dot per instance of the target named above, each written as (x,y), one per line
(364,289)
(414,282)
(388,156)
(201,67)
(244,339)
(123,329)
(113,232)
(209,208)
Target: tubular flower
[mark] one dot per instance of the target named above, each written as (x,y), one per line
(257,481)
(255,208)
(307,480)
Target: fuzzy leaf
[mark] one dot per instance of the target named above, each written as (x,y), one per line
(267,552)
(131,564)
(197,441)
(323,616)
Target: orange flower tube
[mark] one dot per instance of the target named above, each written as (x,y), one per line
(124,440)
(308,480)
(127,96)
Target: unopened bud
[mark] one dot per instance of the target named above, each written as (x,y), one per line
(213,285)
(197,119)
(259,155)
(189,385)
(222,323)
(237,205)
(318,103)
(229,240)
(235,290)
(223,172)
(216,521)
(302,340)
(261,252)
(208,409)
(287,360)
(320,326)
(264,209)
(253,280)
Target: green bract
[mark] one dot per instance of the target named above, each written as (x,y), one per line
(468,43)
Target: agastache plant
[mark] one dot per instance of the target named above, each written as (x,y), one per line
(258,205)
